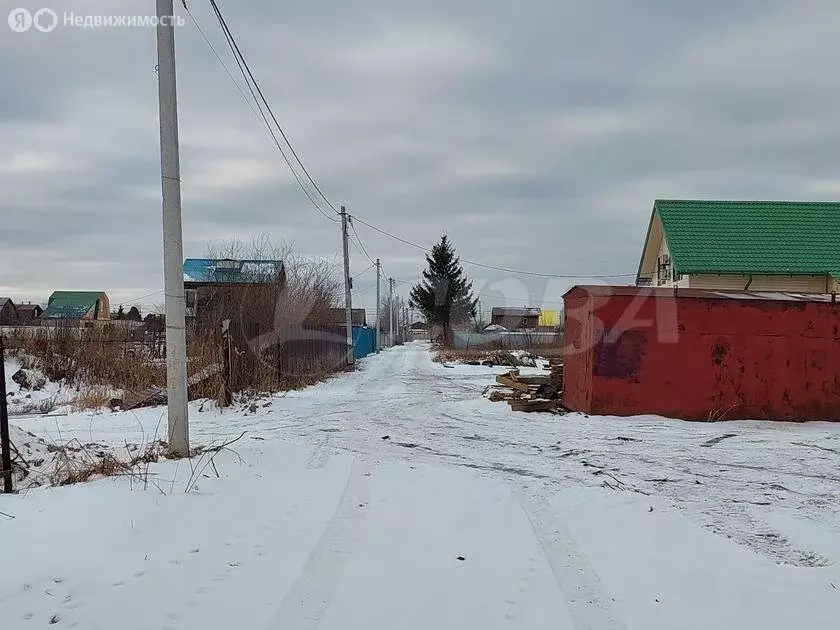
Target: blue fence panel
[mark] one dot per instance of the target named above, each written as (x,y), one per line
(364,341)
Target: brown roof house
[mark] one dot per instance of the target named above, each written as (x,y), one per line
(29,313)
(515,318)
(338,317)
(8,312)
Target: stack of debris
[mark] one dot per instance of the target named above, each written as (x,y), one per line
(513,358)
(157,395)
(527,393)
(556,366)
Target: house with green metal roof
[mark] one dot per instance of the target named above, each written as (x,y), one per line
(77,305)
(791,246)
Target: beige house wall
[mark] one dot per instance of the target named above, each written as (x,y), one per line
(104,311)
(790,283)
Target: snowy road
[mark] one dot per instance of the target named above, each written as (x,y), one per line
(723,475)
(358,497)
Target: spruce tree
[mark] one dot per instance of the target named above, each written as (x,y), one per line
(444,296)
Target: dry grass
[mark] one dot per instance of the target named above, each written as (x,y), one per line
(38,407)
(78,463)
(97,359)
(101,362)
(94,398)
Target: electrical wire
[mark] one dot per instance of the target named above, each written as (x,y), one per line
(259,110)
(238,53)
(247,74)
(362,245)
(224,65)
(143,297)
(360,274)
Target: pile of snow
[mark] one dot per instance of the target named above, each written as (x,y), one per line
(42,462)
(524,358)
(29,379)
(31,393)
(32,459)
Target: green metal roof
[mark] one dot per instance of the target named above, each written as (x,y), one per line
(71,304)
(768,237)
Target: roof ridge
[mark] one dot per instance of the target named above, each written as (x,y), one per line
(751,201)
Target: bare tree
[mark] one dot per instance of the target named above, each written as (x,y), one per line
(273,317)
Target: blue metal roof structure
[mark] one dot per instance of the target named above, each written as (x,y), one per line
(225,271)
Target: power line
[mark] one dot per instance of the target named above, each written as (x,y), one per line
(223,64)
(478,264)
(359,275)
(259,110)
(143,297)
(247,74)
(239,56)
(362,245)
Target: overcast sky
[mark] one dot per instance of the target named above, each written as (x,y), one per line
(536,133)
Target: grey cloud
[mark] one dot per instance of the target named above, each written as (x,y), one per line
(535,134)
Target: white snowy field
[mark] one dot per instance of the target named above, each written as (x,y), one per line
(397,497)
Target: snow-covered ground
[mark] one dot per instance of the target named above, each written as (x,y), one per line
(397,497)
(47,397)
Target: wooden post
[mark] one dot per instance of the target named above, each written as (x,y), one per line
(227,398)
(5,450)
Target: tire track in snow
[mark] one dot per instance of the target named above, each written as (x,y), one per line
(589,606)
(307,600)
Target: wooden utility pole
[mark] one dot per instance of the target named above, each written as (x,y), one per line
(173,246)
(390,311)
(348,300)
(5,440)
(378,276)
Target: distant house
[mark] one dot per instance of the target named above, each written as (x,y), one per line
(419,325)
(77,305)
(8,312)
(742,245)
(515,318)
(548,318)
(29,313)
(244,291)
(337,316)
